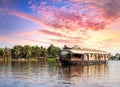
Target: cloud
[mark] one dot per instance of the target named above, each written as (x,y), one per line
(47,32)
(11,41)
(79,15)
(25,16)
(25,34)
(3,38)
(111,9)
(64,41)
(22,41)
(107,40)
(82,16)
(37,41)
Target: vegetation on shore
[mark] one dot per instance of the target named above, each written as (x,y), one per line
(19,52)
(33,53)
(51,59)
(115,57)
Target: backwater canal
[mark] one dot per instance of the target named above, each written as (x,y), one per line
(37,74)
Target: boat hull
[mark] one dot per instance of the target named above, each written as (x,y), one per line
(89,62)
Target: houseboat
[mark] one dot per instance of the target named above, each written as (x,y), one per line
(83,56)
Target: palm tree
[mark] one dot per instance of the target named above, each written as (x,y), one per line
(37,52)
(17,50)
(44,52)
(6,53)
(1,52)
(27,51)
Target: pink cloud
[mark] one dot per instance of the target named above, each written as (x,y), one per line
(98,14)
(61,41)
(37,41)
(47,32)
(29,33)
(27,17)
(96,18)
(60,19)
(3,38)
(11,41)
(64,37)
(22,41)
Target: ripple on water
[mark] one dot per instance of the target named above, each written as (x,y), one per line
(47,75)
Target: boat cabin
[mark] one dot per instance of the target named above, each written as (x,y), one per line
(78,55)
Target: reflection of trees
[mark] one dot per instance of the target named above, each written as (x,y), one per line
(24,65)
(5,63)
(33,69)
(87,71)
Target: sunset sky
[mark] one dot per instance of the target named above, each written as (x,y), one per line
(86,23)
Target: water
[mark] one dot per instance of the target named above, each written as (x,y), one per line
(36,74)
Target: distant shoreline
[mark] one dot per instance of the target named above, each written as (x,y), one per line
(32,59)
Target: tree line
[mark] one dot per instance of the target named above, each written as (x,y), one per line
(28,51)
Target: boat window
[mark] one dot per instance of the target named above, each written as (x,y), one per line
(77,55)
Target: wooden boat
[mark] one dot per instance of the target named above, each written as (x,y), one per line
(82,56)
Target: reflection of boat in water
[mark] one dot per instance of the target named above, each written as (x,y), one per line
(83,56)
(85,71)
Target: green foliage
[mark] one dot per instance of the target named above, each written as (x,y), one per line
(28,51)
(51,60)
(44,52)
(53,51)
(1,52)
(115,57)
(16,52)
(36,51)
(6,53)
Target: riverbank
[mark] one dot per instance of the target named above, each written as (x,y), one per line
(32,59)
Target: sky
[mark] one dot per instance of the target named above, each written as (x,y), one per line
(86,23)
